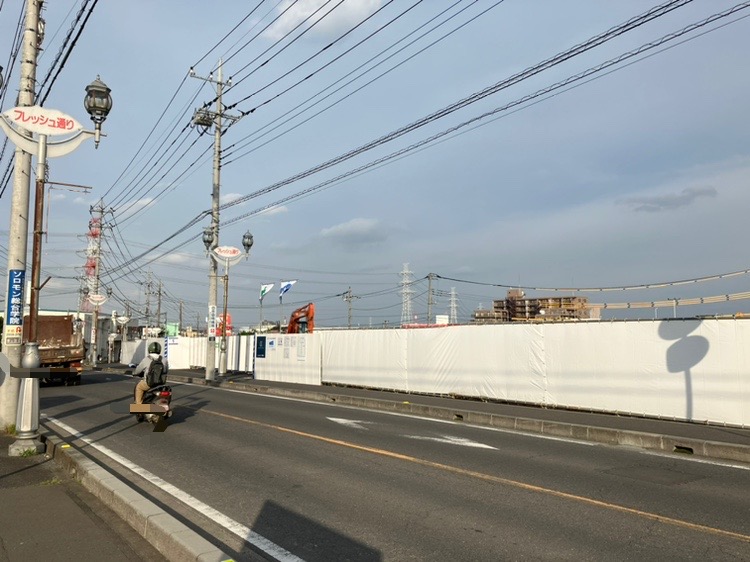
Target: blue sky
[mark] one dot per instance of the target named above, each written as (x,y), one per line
(637,175)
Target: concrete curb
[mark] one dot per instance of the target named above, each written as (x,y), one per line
(174,540)
(609,436)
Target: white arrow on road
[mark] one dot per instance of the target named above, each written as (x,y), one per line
(354,424)
(453,441)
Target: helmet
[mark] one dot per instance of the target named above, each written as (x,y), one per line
(154,347)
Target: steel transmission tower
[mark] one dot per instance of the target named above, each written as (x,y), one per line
(406,294)
(453,318)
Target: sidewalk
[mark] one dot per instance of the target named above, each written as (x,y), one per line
(46,515)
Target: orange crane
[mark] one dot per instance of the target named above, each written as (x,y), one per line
(297,325)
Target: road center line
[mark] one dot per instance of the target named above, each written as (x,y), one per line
(495,479)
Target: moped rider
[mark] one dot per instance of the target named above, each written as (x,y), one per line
(154,353)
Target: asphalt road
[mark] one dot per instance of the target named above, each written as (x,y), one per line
(313,481)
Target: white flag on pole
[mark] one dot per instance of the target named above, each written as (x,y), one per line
(264,289)
(285,286)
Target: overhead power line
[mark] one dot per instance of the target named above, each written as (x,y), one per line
(475,97)
(613,32)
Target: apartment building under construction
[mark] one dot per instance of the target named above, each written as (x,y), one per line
(516,307)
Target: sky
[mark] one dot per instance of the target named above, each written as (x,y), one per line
(631,176)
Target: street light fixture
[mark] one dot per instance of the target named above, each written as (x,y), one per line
(98,104)
(97,299)
(44,122)
(230,256)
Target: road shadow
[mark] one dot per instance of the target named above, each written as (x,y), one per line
(183,412)
(52,401)
(308,539)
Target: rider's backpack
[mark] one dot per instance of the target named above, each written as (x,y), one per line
(155,375)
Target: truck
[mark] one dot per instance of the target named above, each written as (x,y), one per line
(61,347)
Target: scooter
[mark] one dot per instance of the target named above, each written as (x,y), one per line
(159,396)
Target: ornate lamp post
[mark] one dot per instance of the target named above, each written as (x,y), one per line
(97,299)
(230,256)
(98,104)
(45,123)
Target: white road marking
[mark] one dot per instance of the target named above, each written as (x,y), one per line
(452,441)
(571,440)
(245,533)
(354,424)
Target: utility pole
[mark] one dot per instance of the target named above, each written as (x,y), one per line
(430,300)
(348,297)
(206,119)
(19,213)
(95,324)
(179,324)
(158,307)
(148,302)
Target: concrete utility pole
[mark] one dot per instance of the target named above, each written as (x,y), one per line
(349,297)
(430,300)
(148,302)
(158,307)
(95,323)
(19,211)
(206,119)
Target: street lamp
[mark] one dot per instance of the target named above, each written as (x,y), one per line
(97,299)
(98,104)
(45,123)
(230,256)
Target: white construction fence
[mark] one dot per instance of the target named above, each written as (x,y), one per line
(696,370)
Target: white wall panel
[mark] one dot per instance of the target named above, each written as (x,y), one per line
(682,369)
(373,358)
(291,358)
(497,362)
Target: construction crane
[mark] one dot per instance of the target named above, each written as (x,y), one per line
(296,323)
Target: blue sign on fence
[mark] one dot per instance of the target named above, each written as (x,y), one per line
(14,310)
(260,347)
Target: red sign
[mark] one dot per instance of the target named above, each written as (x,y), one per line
(220,326)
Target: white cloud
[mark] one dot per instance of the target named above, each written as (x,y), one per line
(668,201)
(356,232)
(277,210)
(133,208)
(229,197)
(340,19)
(177,259)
